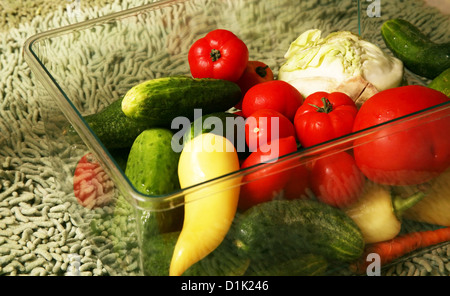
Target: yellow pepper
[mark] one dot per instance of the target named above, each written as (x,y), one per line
(435,207)
(210,210)
(378,212)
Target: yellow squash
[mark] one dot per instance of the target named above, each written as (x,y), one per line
(210,210)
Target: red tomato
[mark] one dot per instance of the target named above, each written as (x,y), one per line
(266,125)
(407,153)
(324,116)
(336,180)
(267,182)
(220,55)
(298,182)
(255,72)
(91,185)
(277,95)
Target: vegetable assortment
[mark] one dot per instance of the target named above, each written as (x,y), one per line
(331,208)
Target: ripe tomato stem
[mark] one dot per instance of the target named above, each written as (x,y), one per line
(215,54)
(327,106)
(261,71)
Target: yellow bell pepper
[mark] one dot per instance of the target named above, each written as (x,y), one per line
(210,210)
(378,212)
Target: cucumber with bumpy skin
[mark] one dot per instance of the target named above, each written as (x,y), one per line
(298,226)
(157,250)
(159,101)
(114,129)
(417,52)
(152,163)
(152,168)
(442,82)
(301,265)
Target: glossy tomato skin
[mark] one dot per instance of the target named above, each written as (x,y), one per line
(267,182)
(277,95)
(266,125)
(407,153)
(336,180)
(220,55)
(255,72)
(296,187)
(314,125)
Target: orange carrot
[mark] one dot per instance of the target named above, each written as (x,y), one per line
(401,245)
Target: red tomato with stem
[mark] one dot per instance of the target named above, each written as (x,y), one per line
(92,186)
(266,125)
(255,72)
(277,95)
(268,181)
(336,179)
(324,116)
(220,55)
(408,152)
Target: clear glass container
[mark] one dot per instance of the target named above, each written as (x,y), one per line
(82,68)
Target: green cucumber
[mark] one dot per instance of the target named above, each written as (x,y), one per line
(223,261)
(152,164)
(228,259)
(152,168)
(159,101)
(301,265)
(120,155)
(298,226)
(229,125)
(418,53)
(216,123)
(112,127)
(157,251)
(442,82)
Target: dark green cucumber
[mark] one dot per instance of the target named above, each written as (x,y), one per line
(159,101)
(442,82)
(112,127)
(157,251)
(301,265)
(152,168)
(419,54)
(229,125)
(237,256)
(223,261)
(216,123)
(298,226)
(120,155)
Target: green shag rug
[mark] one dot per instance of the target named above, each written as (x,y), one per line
(37,235)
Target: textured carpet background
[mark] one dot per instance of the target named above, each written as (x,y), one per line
(37,235)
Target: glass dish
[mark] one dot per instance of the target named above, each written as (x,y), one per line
(83,68)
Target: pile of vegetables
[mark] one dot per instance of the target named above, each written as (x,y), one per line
(352,197)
